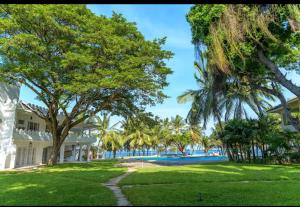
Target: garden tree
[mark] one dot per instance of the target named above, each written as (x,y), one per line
(181,140)
(103,126)
(244,137)
(237,135)
(264,127)
(79,63)
(251,43)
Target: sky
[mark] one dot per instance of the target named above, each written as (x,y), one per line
(156,21)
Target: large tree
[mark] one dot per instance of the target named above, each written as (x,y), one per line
(79,63)
(256,44)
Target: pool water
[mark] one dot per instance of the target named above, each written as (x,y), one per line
(184,159)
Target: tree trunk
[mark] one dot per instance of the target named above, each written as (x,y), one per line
(279,76)
(280,96)
(229,154)
(241,153)
(253,151)
(114,154)
(54,155)
(98,148)
(55,149)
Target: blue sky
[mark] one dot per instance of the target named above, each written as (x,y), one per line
(155,21)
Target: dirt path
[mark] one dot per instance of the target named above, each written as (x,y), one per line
(112,184)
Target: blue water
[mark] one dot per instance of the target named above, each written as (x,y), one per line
(184,159)
(121,154)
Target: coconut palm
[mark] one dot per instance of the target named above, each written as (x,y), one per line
(206,100)
(137,133)
(103,126)
(207,144)
(177,124)
(113,141)
(139,138)
(166,134)
(196,135)
(219,95)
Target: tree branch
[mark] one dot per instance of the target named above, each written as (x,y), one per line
(279,76)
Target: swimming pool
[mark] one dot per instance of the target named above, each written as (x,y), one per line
(189,159)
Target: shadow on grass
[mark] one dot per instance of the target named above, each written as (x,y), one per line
(68,184)
(215,183)
(217,172)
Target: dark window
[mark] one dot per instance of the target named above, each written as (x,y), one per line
(21,122)
(33,126)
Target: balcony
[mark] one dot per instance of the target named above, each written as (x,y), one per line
(24,135)
(288,127)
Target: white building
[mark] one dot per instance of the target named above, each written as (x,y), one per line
(294,107)
(25,139)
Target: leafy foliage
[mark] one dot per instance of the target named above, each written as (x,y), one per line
(79,63)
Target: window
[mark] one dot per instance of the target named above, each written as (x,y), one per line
(21,122)
(33,126)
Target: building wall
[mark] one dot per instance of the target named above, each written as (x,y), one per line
(9,96)
(37,147)
(27,117)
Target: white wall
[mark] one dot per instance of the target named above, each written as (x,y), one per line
(9,97)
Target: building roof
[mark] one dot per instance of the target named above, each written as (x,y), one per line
(291,103)
(89,123)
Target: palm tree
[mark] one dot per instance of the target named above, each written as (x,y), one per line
(103,125)
(113,141)
(207,144)
(196,135)
(206,100)
(221,94)
(166,134)
(156,135)
(139,138)
(138,134)
(177,124)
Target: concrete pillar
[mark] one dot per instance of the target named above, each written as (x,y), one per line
(88,152)
(62,153)
(80,153)
(39,154)
(73,152)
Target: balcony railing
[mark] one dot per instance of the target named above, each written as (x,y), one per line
(21,134)
(289,127)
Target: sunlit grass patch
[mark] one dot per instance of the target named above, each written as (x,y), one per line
(67,184)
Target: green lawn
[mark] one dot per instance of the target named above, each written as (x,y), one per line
(67,184)
(217,184)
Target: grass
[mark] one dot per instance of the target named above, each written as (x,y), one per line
(67,184)
(214,184)
(203,184)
